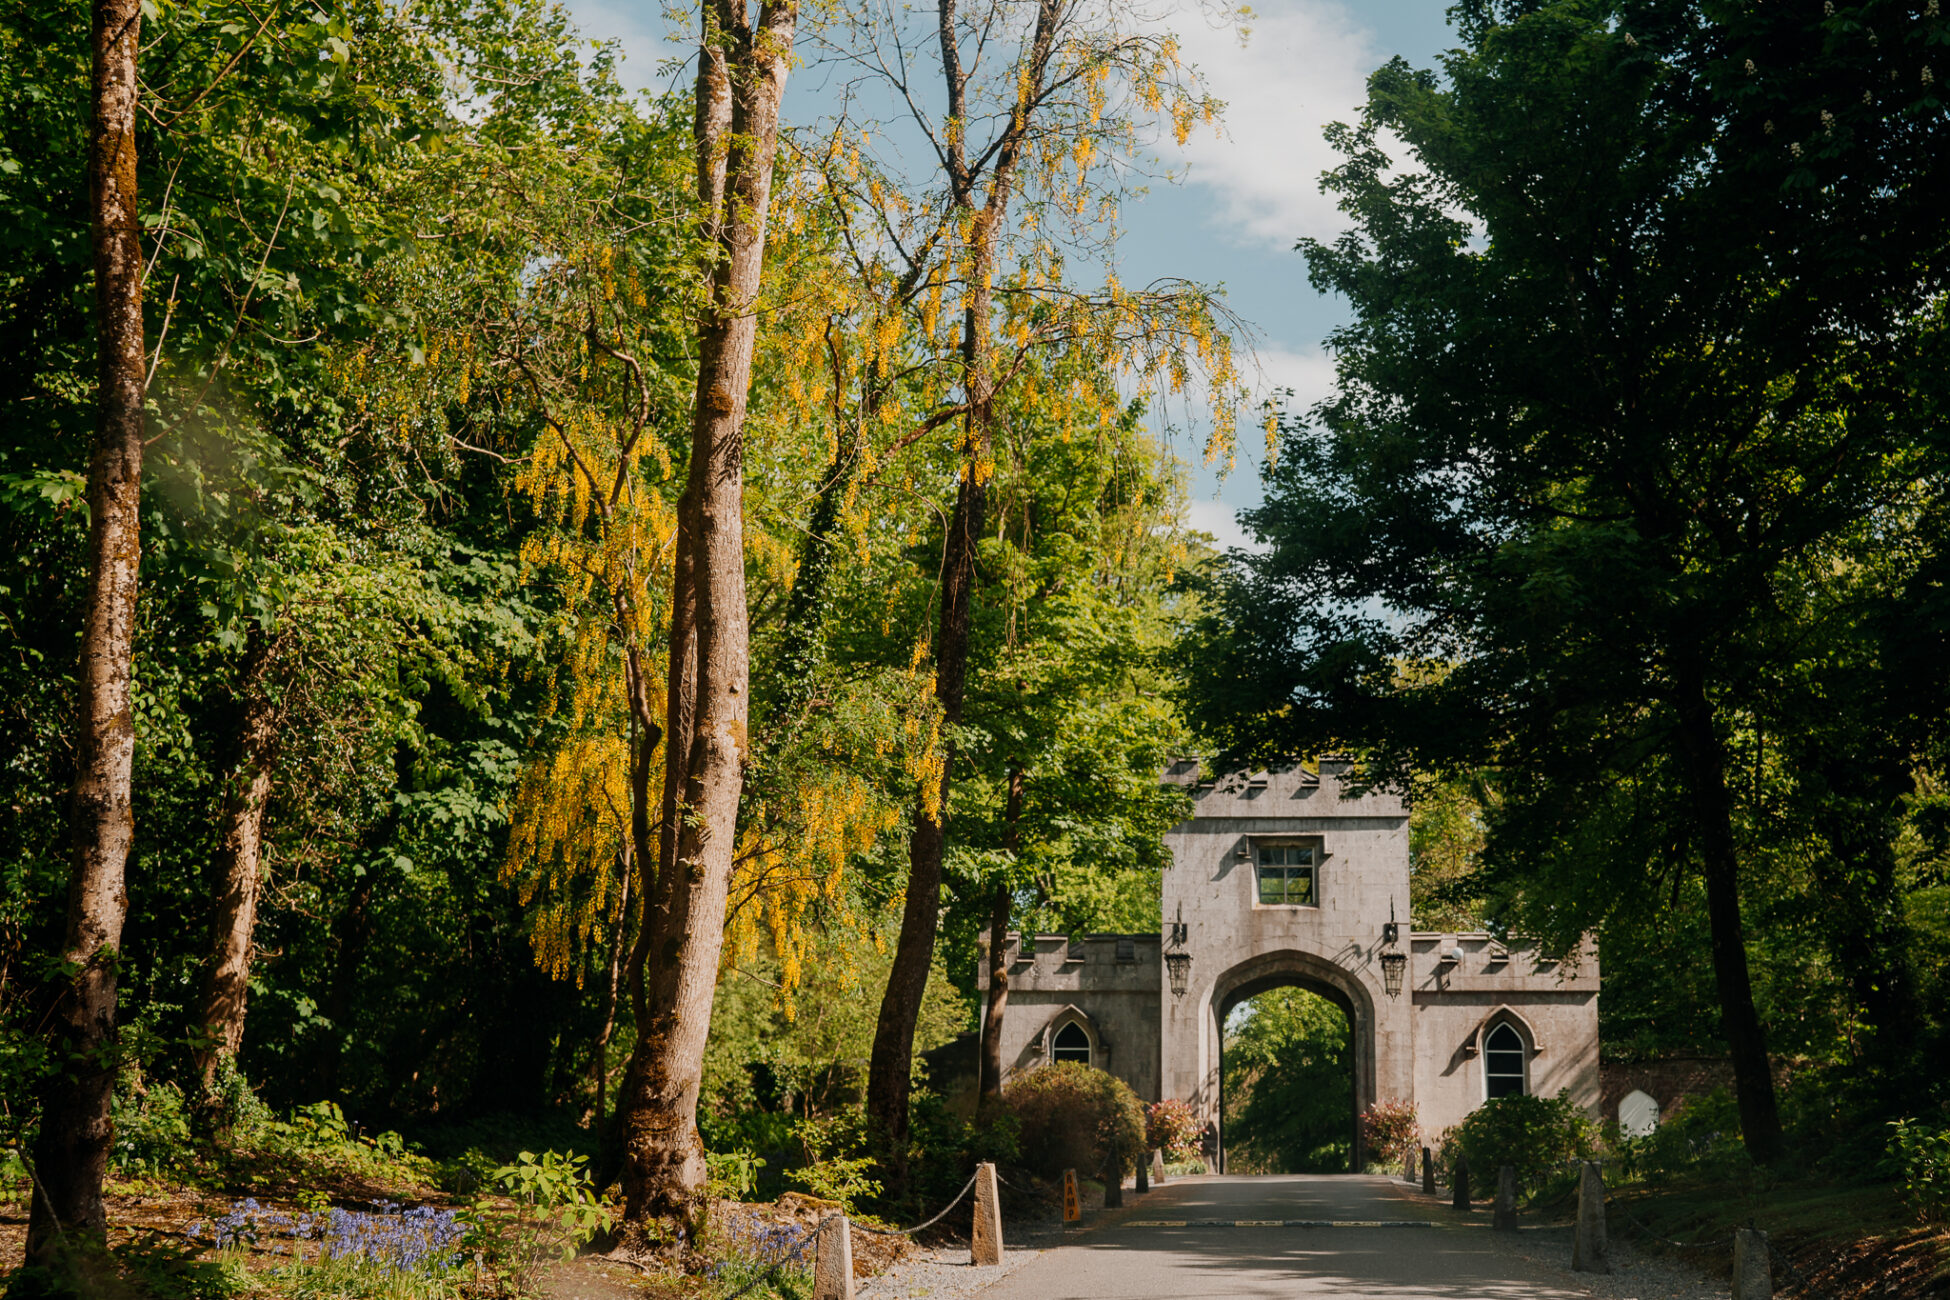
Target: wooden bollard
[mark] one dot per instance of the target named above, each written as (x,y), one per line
(1589,1252)
(1144,1175)
(1753,1271)
(1459,1194)
(1072,1207)
(1505,1219)
(1157,1168)
(833,1264)
(1428,1172)
(1114,1179)
(985,1242)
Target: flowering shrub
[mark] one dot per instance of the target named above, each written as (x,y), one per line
(1071,1115)
(750,1247)
(1390,1129)
(1171,1127)
(418,1239)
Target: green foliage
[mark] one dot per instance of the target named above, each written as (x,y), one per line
(1288,1085)
(555,1212)
(808,1057)
(734,1174)
(1700,1141)
(1922,1154)
(1075,1116)
(1537,1136)
(828,1174)
(163,1267)
(1616,524)
(152,1132)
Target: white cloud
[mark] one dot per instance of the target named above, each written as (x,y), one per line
(1307,372)
(1220,518)
(1305,64)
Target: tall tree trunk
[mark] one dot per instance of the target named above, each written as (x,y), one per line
(890,1066)
(744,66)
(71,1153)
(1753,1079)
(239,856)
(989,1085)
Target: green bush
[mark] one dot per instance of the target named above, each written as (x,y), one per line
(1700,1139)
(1536,1135)
(1069,1116)
(152,1132)
(1923,1156)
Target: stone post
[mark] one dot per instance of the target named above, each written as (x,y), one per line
(1408,1166)
(1588,1249)
(1506,1200)
(1114,1177)
(1428,1172)
(1072,1207)
(1753,1271)
(833,1264)
(1459,1194)
(1157,1168)
(985,1242)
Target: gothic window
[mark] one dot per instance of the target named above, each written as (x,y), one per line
(1287,874)
(1070,1044)
(1503,1055)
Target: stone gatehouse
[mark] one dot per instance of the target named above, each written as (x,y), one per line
(1278,879)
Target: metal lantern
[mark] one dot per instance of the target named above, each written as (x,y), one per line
(1393,966)
(1179,966)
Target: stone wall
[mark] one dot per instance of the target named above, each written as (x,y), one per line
(1108,983)
(1423,1045)
(1553,1005)
(1240,946)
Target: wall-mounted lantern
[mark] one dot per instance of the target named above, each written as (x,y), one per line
(1178,965)
(1393,966)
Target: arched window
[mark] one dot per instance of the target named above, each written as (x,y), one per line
(1070,1044)
(1503,1054)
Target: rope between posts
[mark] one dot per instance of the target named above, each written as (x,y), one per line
(799,1249)
(908,1232)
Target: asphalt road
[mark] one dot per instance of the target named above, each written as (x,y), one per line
(1254,1238)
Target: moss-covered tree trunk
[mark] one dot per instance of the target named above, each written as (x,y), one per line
(741,84)
(71,1152)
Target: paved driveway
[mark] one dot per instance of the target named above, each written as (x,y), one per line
(1260,1238)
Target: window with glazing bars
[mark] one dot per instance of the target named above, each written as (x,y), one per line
(1503,1061)
(1287,874)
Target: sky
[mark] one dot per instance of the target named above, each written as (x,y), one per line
(1243,196)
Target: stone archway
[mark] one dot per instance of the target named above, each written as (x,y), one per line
(1293,968)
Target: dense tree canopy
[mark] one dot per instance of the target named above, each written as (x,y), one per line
(1636,429)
